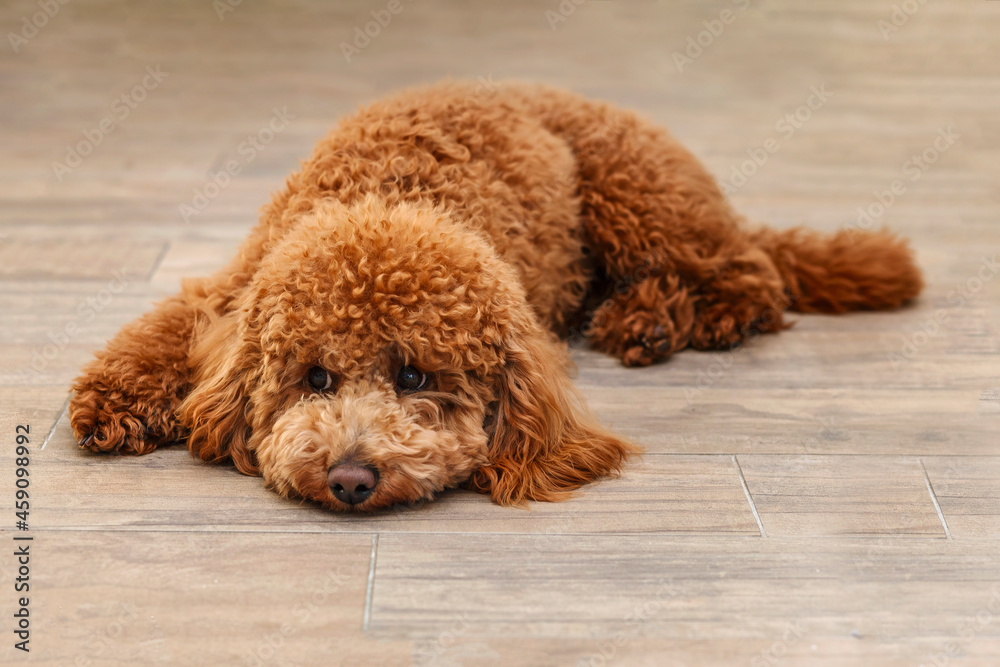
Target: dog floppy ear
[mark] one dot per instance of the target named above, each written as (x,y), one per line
(545,443)
(215,412)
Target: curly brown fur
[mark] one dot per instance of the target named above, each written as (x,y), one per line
(448,236)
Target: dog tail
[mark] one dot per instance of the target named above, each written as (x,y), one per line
(848,270)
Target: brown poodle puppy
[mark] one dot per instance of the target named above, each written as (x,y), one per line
(389,329)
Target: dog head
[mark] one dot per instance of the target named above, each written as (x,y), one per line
(382,354)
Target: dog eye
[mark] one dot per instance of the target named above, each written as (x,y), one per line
(410,379)
(319,379)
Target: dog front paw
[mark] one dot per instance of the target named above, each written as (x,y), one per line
(109,423)
(105,418)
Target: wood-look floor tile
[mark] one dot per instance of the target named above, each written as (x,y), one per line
(168,490)
(174,598)
(590,587)
(841,495)
(968,490)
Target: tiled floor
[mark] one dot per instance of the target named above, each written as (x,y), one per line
(828,496)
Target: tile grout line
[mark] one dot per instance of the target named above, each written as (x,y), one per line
(52,431)
(371,584)
(746,490)
(937,505)
(200,529)
(157,263)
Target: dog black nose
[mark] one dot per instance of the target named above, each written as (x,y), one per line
(352,483)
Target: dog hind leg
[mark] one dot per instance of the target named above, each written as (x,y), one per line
(684,271)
